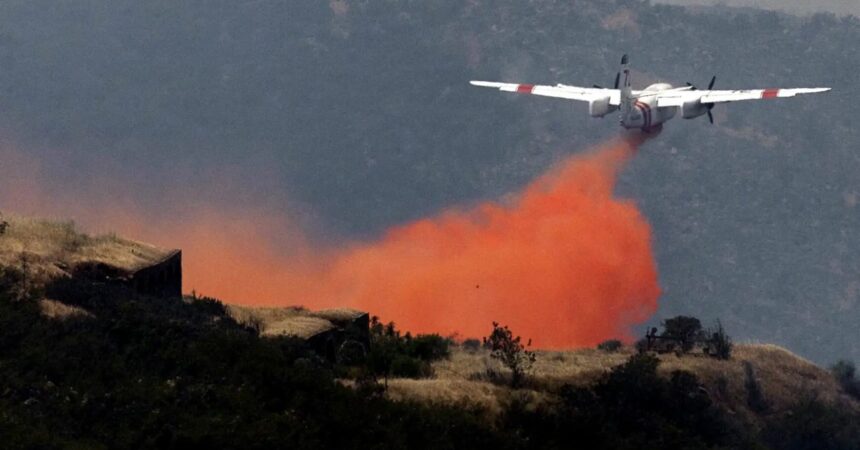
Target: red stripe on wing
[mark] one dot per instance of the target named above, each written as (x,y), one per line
(770,93)
(525,88)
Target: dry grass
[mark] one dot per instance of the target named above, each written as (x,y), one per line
(53,309)
(300,326)
(291,321)
(489,397)
(247,315)
(339,314)
(783,377)
(49,249)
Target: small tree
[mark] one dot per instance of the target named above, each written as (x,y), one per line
(511,352)
(719,344)
(683,329)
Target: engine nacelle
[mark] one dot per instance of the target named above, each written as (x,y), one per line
(600,107)
(693,109)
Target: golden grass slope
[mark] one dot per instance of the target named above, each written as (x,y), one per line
(291,321)
(48,249)
(784,378)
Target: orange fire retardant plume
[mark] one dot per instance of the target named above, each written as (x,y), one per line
(564,262)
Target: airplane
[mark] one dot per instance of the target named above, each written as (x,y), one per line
(648,109)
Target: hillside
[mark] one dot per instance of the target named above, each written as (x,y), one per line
(53,249)
(104,365)
(783,378)
(791,6)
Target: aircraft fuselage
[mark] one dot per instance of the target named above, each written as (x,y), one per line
(644,112)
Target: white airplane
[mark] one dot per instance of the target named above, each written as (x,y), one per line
(650,108)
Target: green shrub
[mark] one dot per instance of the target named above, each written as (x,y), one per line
(844,372)
(393,354)
(161,373)
(755,396)
(429,347)
(405,366)
(471,345)
(813,424)
(612,345)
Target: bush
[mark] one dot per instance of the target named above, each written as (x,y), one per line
(471,345)
(813,424)
(161,373)
(513,354)
(844,372)
(404,366)
(393,354)
(429,347)
(634,407)
(755,396)
(612,345)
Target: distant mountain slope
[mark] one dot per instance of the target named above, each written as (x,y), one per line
(792,6)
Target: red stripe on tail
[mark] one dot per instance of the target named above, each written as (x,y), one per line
(646,113)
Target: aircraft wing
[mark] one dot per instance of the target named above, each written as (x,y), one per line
(678,97)
(559,91)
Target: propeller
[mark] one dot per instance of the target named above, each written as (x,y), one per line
(710,106)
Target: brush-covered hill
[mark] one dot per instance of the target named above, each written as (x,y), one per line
(129,370)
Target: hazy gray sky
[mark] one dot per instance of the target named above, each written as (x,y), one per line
(793,6)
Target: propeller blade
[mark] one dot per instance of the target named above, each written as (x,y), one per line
(692,86)
(617,79)
(624,60)
(597,86)
(710,116)
(713,80)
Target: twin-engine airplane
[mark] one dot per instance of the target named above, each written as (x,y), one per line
(650,108)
